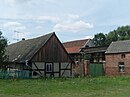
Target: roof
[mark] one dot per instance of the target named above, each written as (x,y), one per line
(25,49)
(119,47)
(75,46)
(97,49)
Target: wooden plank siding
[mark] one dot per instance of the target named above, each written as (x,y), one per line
(52,51)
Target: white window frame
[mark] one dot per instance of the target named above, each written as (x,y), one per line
(49,67)
(121,67)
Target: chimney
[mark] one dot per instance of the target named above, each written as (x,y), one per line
(23,38)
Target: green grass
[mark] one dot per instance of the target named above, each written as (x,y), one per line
(70,87)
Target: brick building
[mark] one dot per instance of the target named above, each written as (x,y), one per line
(118,58)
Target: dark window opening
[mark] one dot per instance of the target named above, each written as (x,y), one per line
(87,46)
(122,55)
(35,73)
(121,66)
(49,67)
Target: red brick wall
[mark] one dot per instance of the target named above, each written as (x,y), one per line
(112,62)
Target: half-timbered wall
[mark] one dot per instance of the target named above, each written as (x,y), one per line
(52,52)
(59,70)
(38,69)
(65,69)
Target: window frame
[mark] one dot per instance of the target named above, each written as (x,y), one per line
(121,66)
(49,67)
(123,56)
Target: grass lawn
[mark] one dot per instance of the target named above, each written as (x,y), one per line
(70,87)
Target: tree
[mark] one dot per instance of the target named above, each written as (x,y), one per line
(121,33)
(100,39)
(3,45)
(112,36)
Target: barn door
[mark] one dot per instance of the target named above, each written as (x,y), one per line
(49,69)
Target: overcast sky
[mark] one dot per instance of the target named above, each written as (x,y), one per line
(70,19)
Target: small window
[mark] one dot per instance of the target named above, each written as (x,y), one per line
(49,67)
(87,46)
(122,55)
(35,73)
(121,66)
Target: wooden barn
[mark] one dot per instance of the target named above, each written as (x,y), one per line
(43,56)
(118,58)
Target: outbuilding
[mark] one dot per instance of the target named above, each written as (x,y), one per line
(118,58)
(42,56)
(74,48)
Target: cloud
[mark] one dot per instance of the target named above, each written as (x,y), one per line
(73,16)
(52,1)
(14,26)
(38,27)
(18,1)
(72,23)
(53,19)
(17,36)
(88,37)
(73,26)
(22,34)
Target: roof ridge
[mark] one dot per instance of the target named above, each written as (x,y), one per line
(33,38)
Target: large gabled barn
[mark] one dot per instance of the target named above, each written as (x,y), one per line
(43,56)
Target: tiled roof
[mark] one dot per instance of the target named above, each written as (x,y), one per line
(25,49)
(119,47)
(75,46)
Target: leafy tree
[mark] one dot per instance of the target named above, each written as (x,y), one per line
(112,36)
(100,39)
(121,33)
(3,44)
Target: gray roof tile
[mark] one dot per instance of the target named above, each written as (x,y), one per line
(25,49)
(119,47)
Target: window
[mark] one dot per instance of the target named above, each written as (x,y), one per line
(87,46)
(121,66)
(122,55)
(48,67)
(35,73)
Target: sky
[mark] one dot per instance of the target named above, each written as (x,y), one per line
(69,19)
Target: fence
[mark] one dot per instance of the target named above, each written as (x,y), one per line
(14,74)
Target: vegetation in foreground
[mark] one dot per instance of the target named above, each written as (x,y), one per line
(70,87)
